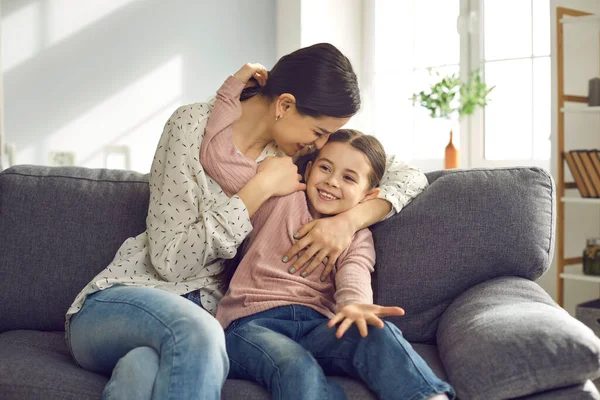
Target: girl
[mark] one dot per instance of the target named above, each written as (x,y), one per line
(277,325)
(131,322)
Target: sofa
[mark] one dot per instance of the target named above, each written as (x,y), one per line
(461,259)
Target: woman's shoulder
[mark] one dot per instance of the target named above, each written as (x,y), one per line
(193,111)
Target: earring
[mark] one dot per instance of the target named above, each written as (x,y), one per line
(277,118)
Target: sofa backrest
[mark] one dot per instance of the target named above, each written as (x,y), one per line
(58,228)
(467,227)
(61,226)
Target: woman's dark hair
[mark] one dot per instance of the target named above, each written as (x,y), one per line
(321,79)
(366,144)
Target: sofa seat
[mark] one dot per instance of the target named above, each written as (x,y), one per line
(36,364)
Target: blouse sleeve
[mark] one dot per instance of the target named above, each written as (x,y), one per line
(353,273)
(188,226)
(400,184)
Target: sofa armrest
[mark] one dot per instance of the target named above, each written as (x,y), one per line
(507,338)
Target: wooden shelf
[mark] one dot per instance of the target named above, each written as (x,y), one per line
(580,200)
(575,273)
(576,108)
(569,268)
(585,19)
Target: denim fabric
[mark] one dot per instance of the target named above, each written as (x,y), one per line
(155,344)
(289,350)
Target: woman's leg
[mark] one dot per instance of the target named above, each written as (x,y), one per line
(384,360)
(134,375)
(261,350)
(188,341)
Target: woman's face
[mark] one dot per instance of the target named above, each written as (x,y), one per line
(293,131)
(338,179)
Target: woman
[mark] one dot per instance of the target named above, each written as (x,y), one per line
(131,320)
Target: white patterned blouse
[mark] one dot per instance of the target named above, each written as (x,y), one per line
(192,226)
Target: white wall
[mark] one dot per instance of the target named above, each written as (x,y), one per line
(582,62)
(82,75)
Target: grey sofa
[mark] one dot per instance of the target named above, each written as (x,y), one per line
(461,259)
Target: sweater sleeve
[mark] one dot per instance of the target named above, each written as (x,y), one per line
(400,184)
(219,156)
(188,226)
(353,274)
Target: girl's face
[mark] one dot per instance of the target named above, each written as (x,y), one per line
(294,131)
(338,179)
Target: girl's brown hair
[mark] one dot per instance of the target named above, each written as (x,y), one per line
(366,144)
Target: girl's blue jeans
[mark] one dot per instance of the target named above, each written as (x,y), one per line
(153,344)
(290,350)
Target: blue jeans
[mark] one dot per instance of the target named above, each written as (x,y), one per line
(290,350)
(156,345)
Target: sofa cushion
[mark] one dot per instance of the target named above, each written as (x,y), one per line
(507,338)
(581,391)
(467,227)
(36,365)
(58,228)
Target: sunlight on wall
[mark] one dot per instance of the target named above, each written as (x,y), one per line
(134,117)
(43,24)
(25,25)
(65,17)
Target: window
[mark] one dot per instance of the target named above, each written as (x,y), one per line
(411,37)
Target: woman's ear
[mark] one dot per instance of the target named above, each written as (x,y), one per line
(285,102)
(307,171)
(371,194)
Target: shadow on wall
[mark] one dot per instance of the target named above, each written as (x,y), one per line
(80,88)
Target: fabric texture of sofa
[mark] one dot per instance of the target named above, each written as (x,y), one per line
(461,259)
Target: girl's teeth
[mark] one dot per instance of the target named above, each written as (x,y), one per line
(327,195)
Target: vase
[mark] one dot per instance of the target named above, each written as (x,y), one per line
(451,159)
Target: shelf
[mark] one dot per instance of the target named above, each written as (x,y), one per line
(580,109)
(586,19)
(575,272)
(580,200)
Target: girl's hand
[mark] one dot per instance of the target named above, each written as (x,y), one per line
(279,176)
(256,71)
(362,315)
(324,237)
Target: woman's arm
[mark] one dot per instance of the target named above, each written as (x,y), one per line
(190,223)
(328,237)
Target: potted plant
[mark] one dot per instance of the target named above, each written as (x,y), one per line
(451,97)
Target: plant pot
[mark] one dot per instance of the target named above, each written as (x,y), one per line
(452,159)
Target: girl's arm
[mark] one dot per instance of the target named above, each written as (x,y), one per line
(328,237)
(353,295)
(354,269)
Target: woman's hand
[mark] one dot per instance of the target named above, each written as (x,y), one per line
(324,237)
(362,315)
(279,176)
(256,71)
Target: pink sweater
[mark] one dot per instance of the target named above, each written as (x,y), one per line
(262,280)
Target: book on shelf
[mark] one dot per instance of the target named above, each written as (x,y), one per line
(590,170)
(585,176)
(595,158)
(568,155)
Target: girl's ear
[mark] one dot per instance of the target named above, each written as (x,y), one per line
(285,102)
(307,171)
(371,194)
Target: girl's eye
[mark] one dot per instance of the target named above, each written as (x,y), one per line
(351,179)
(324,168)
(318,135)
